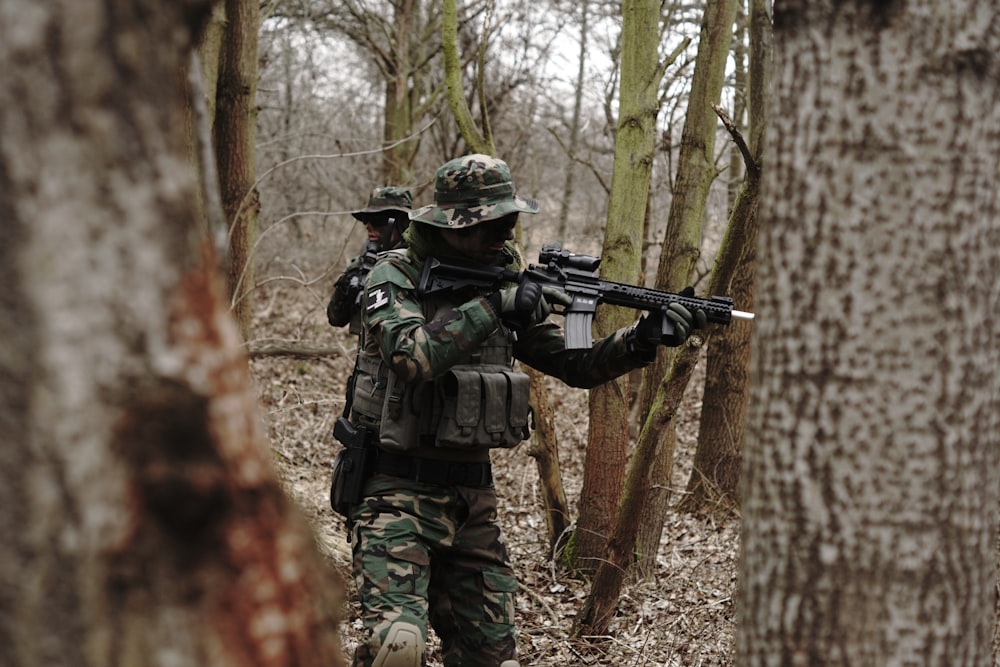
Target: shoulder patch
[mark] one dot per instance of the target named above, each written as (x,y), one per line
(396,268)
(378,296)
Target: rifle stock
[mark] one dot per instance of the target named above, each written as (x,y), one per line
(576,275)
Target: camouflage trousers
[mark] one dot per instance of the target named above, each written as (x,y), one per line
(433,554)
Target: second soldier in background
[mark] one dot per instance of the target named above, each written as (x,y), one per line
(385,219)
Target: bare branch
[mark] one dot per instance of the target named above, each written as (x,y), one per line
(748,159)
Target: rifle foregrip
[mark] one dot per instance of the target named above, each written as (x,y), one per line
(720,309)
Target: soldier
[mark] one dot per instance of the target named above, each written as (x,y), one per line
(436,382)
(385,218)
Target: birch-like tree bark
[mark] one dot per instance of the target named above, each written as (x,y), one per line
(872,464)
(143,523)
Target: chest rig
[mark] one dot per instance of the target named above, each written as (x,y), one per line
(480,403)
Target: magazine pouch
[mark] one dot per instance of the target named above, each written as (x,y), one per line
(483,407)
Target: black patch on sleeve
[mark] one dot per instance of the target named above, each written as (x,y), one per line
(378,297)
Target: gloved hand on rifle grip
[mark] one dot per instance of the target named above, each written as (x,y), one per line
(526,305)
(692,320)
(670,327)
(350,285)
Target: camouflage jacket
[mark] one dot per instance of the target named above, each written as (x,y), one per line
(421,340)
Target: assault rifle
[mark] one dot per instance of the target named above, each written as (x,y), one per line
(576,275)
(368,256)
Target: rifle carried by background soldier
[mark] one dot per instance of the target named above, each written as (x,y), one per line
(369,255)
(385,218)
(575,275)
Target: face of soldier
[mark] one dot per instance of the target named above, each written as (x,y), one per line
(382,231)
(483,242)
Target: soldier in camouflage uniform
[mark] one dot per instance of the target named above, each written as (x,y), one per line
(385,219)
(437,383)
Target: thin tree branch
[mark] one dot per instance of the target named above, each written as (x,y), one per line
(748,159)
(586,163)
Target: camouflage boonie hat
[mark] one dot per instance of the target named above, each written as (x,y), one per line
(473,189)
(389,198)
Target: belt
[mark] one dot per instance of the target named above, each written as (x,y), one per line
(433,471)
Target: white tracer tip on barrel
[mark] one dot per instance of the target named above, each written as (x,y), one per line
(742,315)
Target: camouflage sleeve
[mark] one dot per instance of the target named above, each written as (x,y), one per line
(417,348)
(543,347)
(344,300)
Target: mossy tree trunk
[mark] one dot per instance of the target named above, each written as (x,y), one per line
(635,142)
(696,171)
(714,480)
(234,129)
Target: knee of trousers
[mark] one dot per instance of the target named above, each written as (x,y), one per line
(403,647)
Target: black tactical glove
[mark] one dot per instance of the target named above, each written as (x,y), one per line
(526,305)
(345,299)
(351,283)
(670,327)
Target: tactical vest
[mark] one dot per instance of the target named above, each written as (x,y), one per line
(480,404)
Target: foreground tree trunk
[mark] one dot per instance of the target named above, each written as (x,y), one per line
(142,521)
(871,470)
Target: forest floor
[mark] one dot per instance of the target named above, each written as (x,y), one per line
(684,617)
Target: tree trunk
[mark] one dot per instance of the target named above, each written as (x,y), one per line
(718,458)
(635,141)
(474,137)
(544,449)
(142,521)
(872,465)
(398,160)
(739,52)
(715,473)
(609,577)
(696,171)
(233,129)
(402,39)
(573,141)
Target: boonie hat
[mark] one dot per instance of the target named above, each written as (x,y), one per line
(389,198)
(472,189)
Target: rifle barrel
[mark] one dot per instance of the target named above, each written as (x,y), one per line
(742,315)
